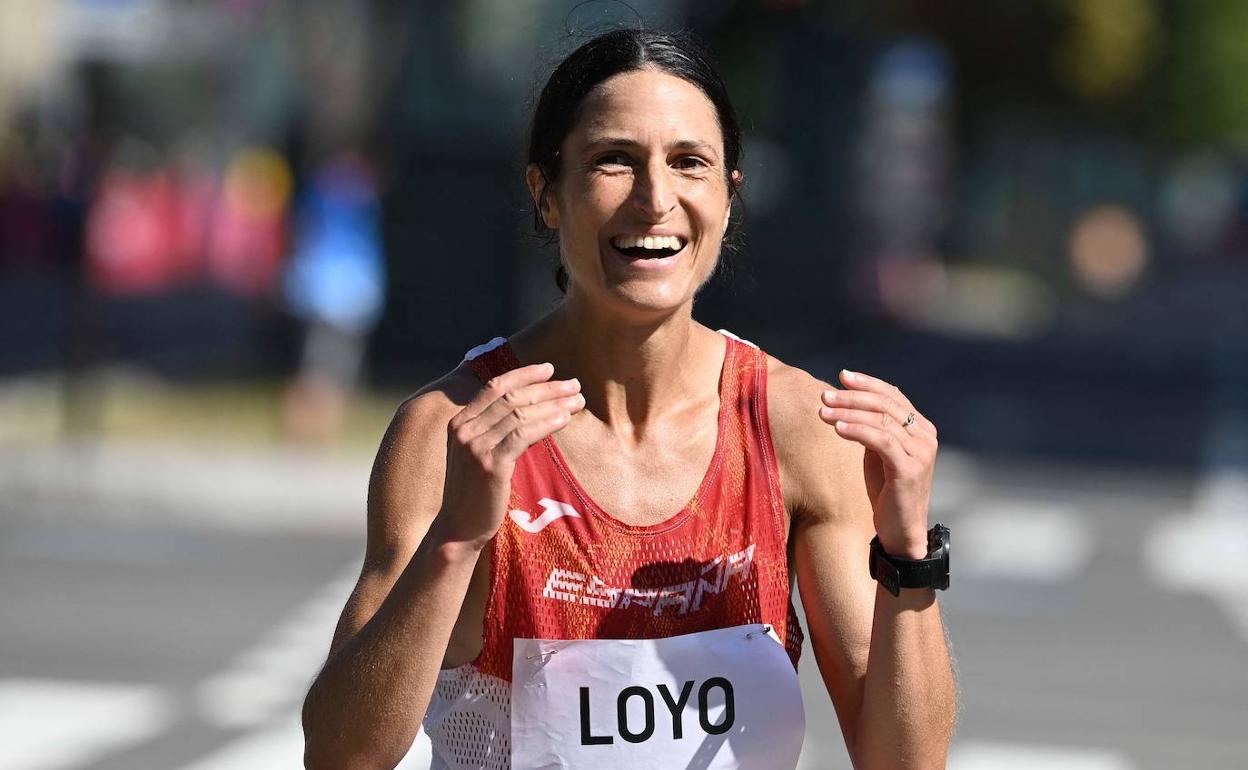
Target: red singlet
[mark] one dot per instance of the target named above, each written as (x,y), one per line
(562,568)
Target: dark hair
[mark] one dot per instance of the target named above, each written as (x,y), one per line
(607,55)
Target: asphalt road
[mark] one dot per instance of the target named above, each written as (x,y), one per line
(1098,619)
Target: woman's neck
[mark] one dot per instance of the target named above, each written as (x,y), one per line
(632,373)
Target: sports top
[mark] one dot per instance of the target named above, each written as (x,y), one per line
(562,568)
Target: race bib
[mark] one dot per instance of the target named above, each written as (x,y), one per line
(726,698)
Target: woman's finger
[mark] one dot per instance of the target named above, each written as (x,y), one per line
(860,381)
(866,401)
(880,402)
(523,398)
(497,386)
(879,441)
(528,432)
(880,420)
(528,422)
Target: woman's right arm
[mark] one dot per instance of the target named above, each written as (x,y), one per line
(438,493)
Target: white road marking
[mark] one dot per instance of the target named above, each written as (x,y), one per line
(274,674)
(263,687)
(1021,540)
(164,484)
(1206,550)
(818,758)
(51,724)
(279,746)
(95,546)
(981,755)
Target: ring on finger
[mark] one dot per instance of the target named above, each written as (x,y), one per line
(909,420)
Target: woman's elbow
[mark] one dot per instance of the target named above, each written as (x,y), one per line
(317,757)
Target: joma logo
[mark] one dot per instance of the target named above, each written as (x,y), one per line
(552,509)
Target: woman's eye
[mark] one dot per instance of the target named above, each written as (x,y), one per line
(690,162)
(613,159)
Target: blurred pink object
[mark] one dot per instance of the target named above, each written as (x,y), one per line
(248,237)
(133,234)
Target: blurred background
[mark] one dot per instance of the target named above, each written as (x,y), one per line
(235,233)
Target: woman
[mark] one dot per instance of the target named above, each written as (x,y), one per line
(579,540)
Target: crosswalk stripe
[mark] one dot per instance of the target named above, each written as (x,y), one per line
(265,681)
(977,755)
(1204,550)
(50,724)
(273,674)
(1022,540)
(279,746)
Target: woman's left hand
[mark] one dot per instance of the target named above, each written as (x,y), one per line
(899,457)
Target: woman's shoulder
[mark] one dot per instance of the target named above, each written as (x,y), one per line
(440,399)
(807,448)
(412,454)
(793,395)
(793,398)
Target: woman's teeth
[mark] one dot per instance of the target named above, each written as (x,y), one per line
(666,244)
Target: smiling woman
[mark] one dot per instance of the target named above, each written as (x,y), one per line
(643,203)
(710,150)
(582,541)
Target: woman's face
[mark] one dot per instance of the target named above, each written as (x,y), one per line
(642,203)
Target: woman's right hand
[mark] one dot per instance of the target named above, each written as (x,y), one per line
(511,413)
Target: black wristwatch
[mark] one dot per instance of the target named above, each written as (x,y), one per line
(931,572)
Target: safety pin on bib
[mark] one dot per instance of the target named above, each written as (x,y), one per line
(766,630)
(545,654)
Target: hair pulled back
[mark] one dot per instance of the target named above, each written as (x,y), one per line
(607,55)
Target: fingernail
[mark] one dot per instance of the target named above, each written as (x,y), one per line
(850,374)
(829,395)
(840,425)
(575,382)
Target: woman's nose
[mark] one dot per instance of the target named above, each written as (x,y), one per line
(653,194)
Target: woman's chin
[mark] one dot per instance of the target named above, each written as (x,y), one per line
(648,292)
(649,297)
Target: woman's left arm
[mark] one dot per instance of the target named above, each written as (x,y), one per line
(851,468)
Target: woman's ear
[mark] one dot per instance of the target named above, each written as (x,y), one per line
(737,178)
(538,188)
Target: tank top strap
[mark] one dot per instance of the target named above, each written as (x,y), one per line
(492,359)
(746,391)
(749,393)
(753,375)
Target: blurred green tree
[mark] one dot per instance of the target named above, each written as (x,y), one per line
(1205,99)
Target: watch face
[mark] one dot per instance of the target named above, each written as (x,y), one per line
(942,534)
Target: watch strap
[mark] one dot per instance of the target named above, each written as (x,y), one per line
(895,573)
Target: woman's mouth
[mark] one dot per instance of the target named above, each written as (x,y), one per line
(648,246)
